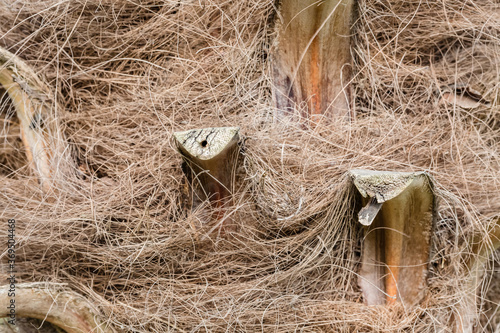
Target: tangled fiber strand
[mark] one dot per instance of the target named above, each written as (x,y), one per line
(126,74)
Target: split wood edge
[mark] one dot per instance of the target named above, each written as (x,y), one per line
(210,155)
(29,95)
(311,62)
(65,310)
(398,220)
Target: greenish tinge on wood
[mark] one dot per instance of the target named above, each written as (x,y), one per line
(210,155)
(398,218)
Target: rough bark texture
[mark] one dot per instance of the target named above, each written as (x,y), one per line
(396,245)
(312,60)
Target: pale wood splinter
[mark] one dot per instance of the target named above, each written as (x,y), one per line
(398,220)
(210,155)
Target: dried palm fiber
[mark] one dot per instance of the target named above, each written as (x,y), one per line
(128,74)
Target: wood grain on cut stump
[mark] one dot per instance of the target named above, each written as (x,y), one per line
(210,155)
(398,219)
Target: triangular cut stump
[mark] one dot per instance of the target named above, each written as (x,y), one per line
(210,155)
(398,219)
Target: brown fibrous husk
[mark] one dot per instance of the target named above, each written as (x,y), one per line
(127,74)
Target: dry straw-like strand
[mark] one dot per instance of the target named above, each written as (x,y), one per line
(66,310)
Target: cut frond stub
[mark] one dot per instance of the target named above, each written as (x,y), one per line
(397,218)
(210,156)
(312,58)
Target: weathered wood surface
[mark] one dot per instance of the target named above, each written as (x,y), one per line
(210,155)
(65,310)
(28,95)
(312,58)
(398,219)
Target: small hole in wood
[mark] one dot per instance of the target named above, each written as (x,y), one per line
(204,143)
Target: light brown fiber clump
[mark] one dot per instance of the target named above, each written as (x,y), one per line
(127,74)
